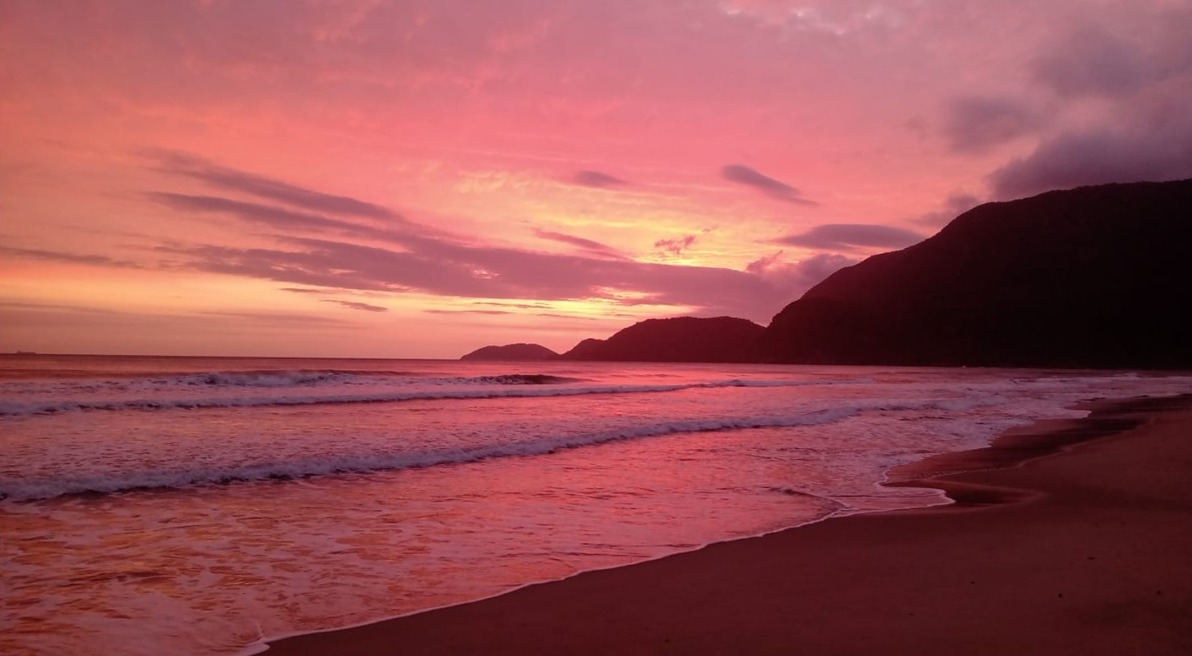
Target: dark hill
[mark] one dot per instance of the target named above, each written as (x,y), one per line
(512,352)
(681,339)
(1089,277)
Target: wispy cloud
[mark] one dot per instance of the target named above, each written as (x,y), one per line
(589,245)
(597,179)
(486,312)
(316,249)
(850,236)
(798,277)
(494,273)
(677,245)
(229,179)
(771,187)
(69,258)
(276,217)
(520,306)
(357,305)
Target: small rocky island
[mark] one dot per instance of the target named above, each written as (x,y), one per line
(512,353)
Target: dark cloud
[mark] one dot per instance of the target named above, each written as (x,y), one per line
(276,217)
(356,305)
(765,263)
(594,247)
(232,180)
(280,218)
(800,276)
(850,236)
(597,179)
(1092,61)
(776,188)
(976,125)
(953,206)
(1152,152)
(301,267)
(814,270)
(676,246)
(1141,80)
(495,273)
(318,251)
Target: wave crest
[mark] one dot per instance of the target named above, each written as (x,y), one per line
(485,387)
(36,489)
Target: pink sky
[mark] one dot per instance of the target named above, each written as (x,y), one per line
(381,178)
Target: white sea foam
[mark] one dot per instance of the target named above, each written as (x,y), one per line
(485,387)
(481,484)
(31,489)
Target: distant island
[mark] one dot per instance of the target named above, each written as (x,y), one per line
(512,353)
(679,339)
(1092,277)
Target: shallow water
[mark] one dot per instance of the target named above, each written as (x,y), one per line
(192,505)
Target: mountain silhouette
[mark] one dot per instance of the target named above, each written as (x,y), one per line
(1093,277)
(679,339)
(512,352)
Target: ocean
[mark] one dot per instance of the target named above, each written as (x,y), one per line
(155,505)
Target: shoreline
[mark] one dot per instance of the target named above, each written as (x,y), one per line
(986,574)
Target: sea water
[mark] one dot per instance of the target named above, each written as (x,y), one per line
(201,505)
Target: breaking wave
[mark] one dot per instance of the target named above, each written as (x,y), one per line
(34,489)
(485,387)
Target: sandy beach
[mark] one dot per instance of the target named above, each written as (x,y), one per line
(1081,552)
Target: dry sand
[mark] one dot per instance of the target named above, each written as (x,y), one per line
(1088,552)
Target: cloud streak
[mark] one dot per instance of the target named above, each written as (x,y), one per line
(68,258)
(597,179)
(229,179)
(852,236)
(676,246)
(276,217)
(312,251)
(744,175)
(357,305)
(495,273)
(589,245)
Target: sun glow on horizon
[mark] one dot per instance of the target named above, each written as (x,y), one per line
(422,178)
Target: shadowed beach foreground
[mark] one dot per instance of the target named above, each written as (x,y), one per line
(1083,553)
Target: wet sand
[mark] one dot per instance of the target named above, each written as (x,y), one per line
(1087,551)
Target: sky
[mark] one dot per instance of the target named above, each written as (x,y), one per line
(393,178)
